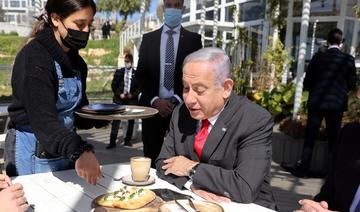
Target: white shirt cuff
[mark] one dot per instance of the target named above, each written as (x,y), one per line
(153,100)
(188,184)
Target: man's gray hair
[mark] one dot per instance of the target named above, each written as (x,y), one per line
(215,56)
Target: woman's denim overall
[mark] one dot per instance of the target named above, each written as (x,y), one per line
(69,96)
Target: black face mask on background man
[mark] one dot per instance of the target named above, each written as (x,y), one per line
(75,39)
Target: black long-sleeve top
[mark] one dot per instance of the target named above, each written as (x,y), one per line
(35,93)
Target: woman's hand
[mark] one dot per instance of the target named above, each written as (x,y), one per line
(12,199)
(87,167)
(4,181)
(308,205)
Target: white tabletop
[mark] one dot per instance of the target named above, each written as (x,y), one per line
(65,191)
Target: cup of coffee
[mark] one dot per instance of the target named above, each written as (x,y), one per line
(140,168)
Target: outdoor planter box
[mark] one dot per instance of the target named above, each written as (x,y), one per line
(288,150)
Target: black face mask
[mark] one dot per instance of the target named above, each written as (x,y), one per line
(75,39)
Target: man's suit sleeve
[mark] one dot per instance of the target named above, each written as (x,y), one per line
(168,151)
(134,87)
(115,84)
(243,182)
(141,71)
(309,78)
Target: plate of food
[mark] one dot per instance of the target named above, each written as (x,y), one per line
(103,108)
(128,198)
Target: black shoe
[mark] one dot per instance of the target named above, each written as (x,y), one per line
(127,143)
(301,170)
(110,146)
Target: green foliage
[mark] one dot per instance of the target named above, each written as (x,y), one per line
(280,21)
(9,47)
(357,10)
(5,82)
(241,75)
(101,52)
(280,100)
(123,7)
(278,56)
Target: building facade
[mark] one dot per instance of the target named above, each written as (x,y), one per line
(18,11)
(252,15)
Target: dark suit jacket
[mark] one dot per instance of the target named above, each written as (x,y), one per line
(236,157)
(344,178)
(329,77)
(117,87)
(148,70)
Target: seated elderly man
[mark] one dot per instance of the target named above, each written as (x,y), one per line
(219,144)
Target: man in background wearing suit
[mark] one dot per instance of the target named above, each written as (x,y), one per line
(126,92)
(219,144)
(329,78)
(159,73)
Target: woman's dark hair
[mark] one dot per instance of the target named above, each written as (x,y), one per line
(63,8)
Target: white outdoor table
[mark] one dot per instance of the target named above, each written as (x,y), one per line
(65,191)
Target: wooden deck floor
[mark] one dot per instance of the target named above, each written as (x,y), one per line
(287,189)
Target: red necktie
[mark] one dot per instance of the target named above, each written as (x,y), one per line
(201,136)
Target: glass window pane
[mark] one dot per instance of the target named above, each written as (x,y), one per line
(321,32)
(14,3)
(252,10)
(209,3)
(229,14)
(349,8)
(348,35)
(209,15)
(319,7)
(187,6)
(186,19)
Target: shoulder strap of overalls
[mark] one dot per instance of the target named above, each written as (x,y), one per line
(58,70)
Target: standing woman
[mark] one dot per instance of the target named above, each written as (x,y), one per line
(48,84)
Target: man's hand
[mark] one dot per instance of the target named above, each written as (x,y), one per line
(210,196)
(12,199)
(4,181)
(164,106)
(178,165)
(122,96)
(87,167)
(312,206)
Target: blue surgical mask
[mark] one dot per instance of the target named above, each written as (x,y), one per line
(172,17)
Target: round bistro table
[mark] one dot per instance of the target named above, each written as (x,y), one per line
(131,112)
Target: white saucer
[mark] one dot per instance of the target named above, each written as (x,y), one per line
(129,181)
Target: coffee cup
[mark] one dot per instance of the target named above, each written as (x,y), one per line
(140,168)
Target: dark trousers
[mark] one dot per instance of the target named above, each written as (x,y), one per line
(333,125)
(153,133)
(115,125)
